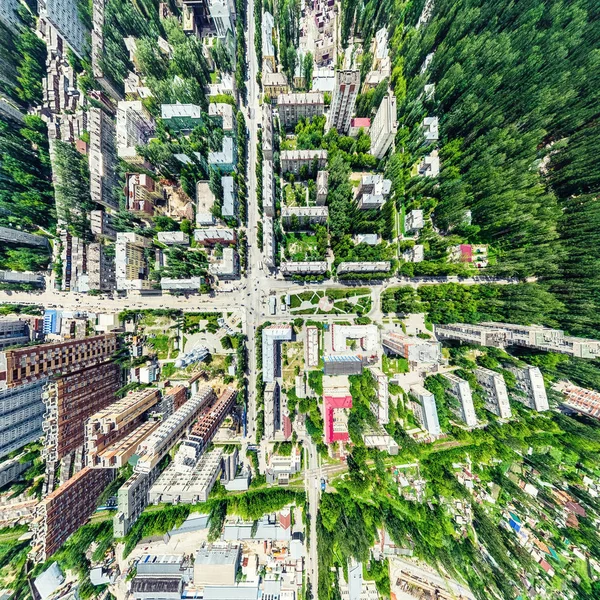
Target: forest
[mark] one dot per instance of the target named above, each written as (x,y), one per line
(516,86)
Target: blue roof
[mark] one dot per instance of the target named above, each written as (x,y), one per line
(344,358)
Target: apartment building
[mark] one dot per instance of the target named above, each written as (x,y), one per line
(293,160)
(63,15)
(15,236)
(425,409)
(269,244)
(414,221)
(271,337)
(580,399)
(316,267)
(267,131)
(66,509)
(226,267)
(294,107)
(382,266)
(131,265)
(268,191)
(222,16)
(430,127)
(274,84)
(336,407)
(100,269)
(70,400)
(413,349)
(346,90)
(102,158)
(13,332)
(142,194)
(272,401)
(132,499)
(384,126)
(531,390)
(268,47)
(215,235)
(26,365)
(9,15)
(380,408)
(501,335)
(304,215)
(461,391)
(495,394)
(342,364)
(322,187)
(181,117)
(135,127)
(311,346)
(373,192)
(114,421)
(21,416)
(153,448)
(102,224)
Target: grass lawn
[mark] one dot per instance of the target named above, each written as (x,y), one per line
(392,366)
(302,246)
(162,344)
(295,195)
(292,356)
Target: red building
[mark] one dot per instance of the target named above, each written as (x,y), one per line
(336,418)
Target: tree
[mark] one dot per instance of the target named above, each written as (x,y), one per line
(307,70)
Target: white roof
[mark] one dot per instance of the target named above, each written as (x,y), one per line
(169,111)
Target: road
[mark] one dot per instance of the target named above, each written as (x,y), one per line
(312,482)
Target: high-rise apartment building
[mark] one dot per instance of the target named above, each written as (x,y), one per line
(21,416)
(63,15)
(26,365)
(102,158)
(531,388)
(115,421)
(13,332)
(425,409)
(495,394)
(346,89)
(501,335)
(461,391)
(381,408)
(384,126)
(66,509)
(70,401)
(135,127)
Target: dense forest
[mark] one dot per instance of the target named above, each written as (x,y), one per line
(516,92)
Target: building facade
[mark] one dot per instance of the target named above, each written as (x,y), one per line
(494,389)
(384,126)
(346,90)
(531,390)
(425,409)
(294,107)
(461,391)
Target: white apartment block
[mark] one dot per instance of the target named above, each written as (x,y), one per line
(268,248)
(364,267)
(384,126)
(271,336)
(494,389)
(347,85)
(414,221)
(381,408)
(461,390)
(135,127)
(322,187)
(425,409)
(373,191)
(316,267)
(268,191)
(430,128)
(221,14)
(272,410)
(530,383)
(293,107)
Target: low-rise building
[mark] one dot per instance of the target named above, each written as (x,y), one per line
(293,160)
(336,408)
(223,113)
(430,165)
(275,84)
(358,123)
(342,364)
(414,221)
(142,194)
(380,408)
(217,564)
(373,192)
(226,267)
(414,254)
(580,399)
(268,242)
(169,284)
(364,267)
(267,131)
(205,200)
(311,346)
(304,268)
(475,254)
(173,238)
(294,107)
(215,235)
(229,208)
(304,214)
(494,390)
(272,411)
(413,349)
(430,127)
(268,47)
(425,409)
(135,127)
(181,117)
(224,160)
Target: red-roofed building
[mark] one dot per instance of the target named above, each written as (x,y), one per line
(286,426)
(359,123)
(544,564)
(467,253)
(576,508)
(336,418)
